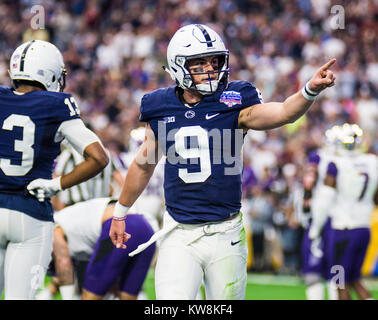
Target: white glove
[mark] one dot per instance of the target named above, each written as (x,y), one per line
(314,232)
(321,204)
(316,248)
(44,188)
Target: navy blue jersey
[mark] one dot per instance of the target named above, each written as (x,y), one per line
(28,125)
(202,179)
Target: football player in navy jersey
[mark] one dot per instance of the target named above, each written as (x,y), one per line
(35,116)
(199,126)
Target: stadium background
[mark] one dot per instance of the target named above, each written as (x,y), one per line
(114,51)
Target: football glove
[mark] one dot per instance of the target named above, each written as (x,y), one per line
(44,188)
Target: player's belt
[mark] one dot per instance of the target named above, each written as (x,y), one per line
(208,229)
(200,230)
(232,216)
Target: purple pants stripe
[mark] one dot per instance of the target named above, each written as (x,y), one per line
(314,253)
(109,266)
(347,249)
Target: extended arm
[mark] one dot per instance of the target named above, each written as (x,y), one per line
(275,114)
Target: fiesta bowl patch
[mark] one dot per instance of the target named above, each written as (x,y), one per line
(230,98)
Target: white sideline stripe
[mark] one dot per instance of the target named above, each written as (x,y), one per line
(279,280)
(284,280)
(291,281)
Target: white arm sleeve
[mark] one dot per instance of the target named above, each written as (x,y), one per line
(320,207)
(77,134)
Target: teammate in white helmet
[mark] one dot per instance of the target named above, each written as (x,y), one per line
(35,116)
(198,124)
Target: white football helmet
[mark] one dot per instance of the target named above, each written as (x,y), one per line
(39,61)
(196,41)
(331,139)
(350,139)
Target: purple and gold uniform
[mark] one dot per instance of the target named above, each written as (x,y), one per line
(314,252)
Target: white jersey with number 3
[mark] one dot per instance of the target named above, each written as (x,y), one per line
(356,185)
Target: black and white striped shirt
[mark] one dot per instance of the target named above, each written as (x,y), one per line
(96,187)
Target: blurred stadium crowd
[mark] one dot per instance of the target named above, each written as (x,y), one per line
(114,52)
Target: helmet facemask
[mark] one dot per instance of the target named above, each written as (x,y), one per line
(346,139)
(351,139)
(214,78)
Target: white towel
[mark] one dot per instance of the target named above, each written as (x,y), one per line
(156,236)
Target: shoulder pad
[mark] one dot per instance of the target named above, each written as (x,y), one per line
(154,104)
(249,94)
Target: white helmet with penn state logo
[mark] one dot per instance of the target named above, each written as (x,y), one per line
(38,61)
(191,42)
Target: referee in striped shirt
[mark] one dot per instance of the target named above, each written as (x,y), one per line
(98,187)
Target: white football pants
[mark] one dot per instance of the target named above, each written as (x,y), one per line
(25,253)
(215,253)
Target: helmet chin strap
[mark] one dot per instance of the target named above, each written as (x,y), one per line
(203,88)
(207,88)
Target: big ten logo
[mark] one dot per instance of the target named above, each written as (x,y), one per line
(38,277)
(337,21)
(338,280)
(38,19)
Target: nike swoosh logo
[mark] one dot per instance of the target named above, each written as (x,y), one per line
(233,243)
(212,116)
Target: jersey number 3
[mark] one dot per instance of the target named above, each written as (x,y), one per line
(24,146)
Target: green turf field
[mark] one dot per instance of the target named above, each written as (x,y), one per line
(262,287)
(268,287)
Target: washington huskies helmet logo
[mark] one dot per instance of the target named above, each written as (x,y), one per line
(230,98)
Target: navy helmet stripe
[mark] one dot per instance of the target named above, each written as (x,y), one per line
(206,35)
(22,62)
